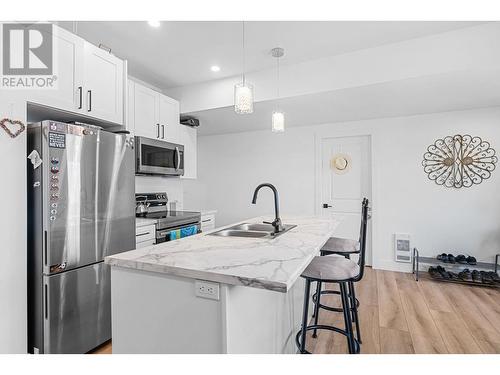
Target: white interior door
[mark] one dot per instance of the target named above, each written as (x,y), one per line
(345,181)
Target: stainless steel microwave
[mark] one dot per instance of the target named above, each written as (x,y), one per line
(155,157)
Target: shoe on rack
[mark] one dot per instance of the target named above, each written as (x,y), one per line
(461,259)
(435,274)
(471,260)
(476,276)
(465,275)
(451,258)
(494,276)
(443,257)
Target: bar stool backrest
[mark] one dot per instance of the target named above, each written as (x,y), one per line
(362,238)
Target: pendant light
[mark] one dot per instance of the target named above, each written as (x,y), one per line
(278,118)
(243,92)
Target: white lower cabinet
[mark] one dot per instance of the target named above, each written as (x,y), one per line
(145,236)
(207,222)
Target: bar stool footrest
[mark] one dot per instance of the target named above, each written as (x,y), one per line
(328,328)
(329,308)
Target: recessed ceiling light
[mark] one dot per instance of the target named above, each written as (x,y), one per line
(154,23)
(215,68)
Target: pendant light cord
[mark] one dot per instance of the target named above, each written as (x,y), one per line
(278,77)
(243,43)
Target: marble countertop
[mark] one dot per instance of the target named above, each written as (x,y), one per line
(273,264)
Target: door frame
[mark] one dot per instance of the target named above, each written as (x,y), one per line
(338,133)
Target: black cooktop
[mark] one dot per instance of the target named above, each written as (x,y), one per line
(173,219)
(170,215)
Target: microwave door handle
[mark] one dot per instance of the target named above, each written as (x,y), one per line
(178,156)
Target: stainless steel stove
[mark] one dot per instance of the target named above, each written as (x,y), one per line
(169,224)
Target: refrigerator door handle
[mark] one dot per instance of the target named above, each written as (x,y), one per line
(46,301)
(45,247)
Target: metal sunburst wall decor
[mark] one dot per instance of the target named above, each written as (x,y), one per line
(459,161)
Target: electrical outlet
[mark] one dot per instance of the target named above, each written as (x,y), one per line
(206,289)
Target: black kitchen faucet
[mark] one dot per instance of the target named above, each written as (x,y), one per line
(278,227)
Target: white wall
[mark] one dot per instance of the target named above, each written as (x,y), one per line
(404,200)
(13,296)
(158,184)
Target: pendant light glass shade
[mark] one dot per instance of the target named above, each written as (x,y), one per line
(243,98)
(243,92)
(278,121)
(278,118)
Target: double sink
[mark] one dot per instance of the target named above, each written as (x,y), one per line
(252,231)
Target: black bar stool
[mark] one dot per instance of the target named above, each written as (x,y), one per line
(331,269)
(345,272)
(345,247)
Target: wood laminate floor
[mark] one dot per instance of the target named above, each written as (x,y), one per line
(399,315)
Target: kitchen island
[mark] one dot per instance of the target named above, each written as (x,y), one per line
(215,294)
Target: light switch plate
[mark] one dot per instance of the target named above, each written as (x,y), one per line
(207,289)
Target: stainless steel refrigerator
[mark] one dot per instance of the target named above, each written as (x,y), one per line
(81,208)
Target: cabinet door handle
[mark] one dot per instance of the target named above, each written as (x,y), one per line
(89,97)
(142,234)
(80,94)
(163,132)
(158,131)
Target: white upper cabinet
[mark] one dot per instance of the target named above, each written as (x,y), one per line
(169,119)
(188,138)
(90,81)
(130,120)
(69,72)
(146,112)
(103,84)
(155,115)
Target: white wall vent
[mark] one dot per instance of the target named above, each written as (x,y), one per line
(402,247)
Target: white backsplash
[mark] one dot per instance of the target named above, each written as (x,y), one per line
(156,184)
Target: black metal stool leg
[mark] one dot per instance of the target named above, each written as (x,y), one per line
(316,306)
(304,316)
(354,309)
(347,317)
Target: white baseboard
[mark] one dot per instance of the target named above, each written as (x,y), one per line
(391,265)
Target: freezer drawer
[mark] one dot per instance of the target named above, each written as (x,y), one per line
(77,309)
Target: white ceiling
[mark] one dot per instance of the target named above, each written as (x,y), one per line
(181,53)
(436,93)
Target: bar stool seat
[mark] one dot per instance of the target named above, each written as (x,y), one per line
(329,269)
(337,245)
(333,267)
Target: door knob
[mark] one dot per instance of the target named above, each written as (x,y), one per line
(326,205)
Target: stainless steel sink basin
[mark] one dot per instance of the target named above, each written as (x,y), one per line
(251,230)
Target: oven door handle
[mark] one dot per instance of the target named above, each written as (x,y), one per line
(163,232)
(178,157)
